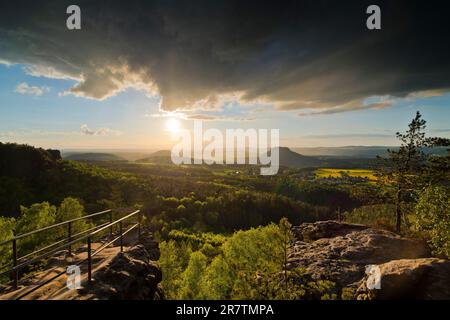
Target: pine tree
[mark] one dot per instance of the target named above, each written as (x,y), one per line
(403,172)
(286,237)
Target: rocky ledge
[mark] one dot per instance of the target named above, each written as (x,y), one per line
(131,275)
(340,252)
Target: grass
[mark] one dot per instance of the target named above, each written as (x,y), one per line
(337,173)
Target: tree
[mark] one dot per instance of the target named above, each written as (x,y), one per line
(433,217)
(249,264)
(6,233)
(70,209)
(217,281)
(37,216)
(173,261)
(285,238)
(190,286)
(401,172)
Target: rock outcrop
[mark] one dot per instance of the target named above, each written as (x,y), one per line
(423,279)
(340,252)
(131,275)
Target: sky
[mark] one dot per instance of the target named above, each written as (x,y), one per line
(138,70)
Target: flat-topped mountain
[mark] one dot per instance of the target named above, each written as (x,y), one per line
(289,158)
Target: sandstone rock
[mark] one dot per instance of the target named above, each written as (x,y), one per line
(411,279)
(340,251)
(131,275)
(325,229)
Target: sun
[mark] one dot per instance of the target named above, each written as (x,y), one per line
(173,125)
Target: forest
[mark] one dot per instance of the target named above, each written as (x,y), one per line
(219,226)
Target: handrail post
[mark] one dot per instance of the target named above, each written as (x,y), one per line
(111,221)
(121,236)
(69,237)
(139,231)
(139,225)
(15,272)
(89,260)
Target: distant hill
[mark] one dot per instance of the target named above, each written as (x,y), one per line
(130,155)
(347,151)
(93,157)
(358,151)
(288,158)
(159,157)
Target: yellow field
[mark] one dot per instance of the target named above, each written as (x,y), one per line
(336,173)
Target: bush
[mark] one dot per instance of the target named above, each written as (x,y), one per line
(433,218)
(190,285)
(6,232)
(70,209)
(173,261)
(37,216)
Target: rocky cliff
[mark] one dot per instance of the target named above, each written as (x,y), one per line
(340,252)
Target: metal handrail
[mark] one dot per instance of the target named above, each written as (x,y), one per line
(115,239)
(50,246)
(54,226)
(122,233)
(61,241)
(89,248)
(113,223)
(18,263)
(49,253)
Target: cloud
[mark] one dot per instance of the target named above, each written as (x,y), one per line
(210,117)
(165,114)
(37,133)
(317,57)
(426,93)
(5,63)
(7,134)
(85,130)
(351,135)
(351,106)
(440,130)
(48,72)
(200,116)
(24,88)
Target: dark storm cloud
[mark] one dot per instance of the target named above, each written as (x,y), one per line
(198,54)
